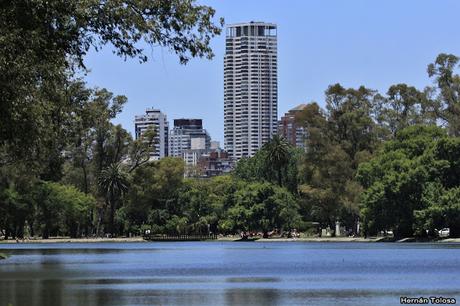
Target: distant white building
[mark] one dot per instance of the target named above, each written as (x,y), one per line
(192,156)
(156,119)
(215,145)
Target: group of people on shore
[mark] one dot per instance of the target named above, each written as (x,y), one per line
(270,234)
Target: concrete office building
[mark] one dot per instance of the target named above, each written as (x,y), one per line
(157,120)
(188,134)
(250,87)
(290,129)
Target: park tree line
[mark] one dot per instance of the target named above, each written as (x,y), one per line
(386,161)
(389,161)
(59,151)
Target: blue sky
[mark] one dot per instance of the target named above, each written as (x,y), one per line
(371,43)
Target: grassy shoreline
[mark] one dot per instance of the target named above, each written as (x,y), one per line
(223,239)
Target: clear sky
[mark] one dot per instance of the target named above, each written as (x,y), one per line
(371,43)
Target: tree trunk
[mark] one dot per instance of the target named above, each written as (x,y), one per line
(20,230)
(46,233)
(31,229)
(112,217)
(112,214)
(100,213)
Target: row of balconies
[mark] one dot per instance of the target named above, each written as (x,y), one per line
(251,61)
(251,82)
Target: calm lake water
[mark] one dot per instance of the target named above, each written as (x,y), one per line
(227,273)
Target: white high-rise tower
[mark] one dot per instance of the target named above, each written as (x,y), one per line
(157,120)
(250,87)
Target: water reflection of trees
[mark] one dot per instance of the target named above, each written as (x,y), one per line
(32,292)
(253,296)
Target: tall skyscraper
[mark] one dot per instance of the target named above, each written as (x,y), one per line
(250,87)
(157,120)
(188,134)
(291,130)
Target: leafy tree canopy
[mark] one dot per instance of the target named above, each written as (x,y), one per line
(410,184)
(43,44)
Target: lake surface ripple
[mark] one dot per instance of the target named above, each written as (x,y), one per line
(227,273)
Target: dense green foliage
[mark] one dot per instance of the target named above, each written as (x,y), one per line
(61,210)
(340,137)
(389,162)
(161,200)
(276,162)
(372,157)
(261,207)
(47,208)
(412,185)
(43,44)
(55,129)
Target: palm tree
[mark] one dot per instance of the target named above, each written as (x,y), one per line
(278,151)
(113,181)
